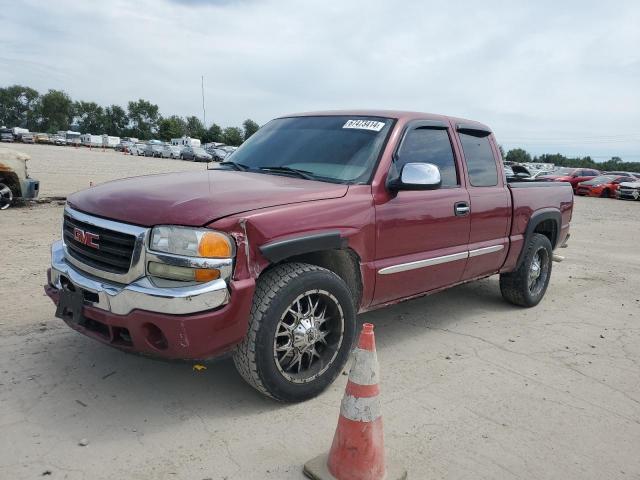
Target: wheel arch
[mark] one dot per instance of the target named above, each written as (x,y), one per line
(547,223)
(327,250)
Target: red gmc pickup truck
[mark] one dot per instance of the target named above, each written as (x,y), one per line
(315,218)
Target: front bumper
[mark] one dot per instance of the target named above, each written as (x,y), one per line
(30,188)
(186,322)
(141,294)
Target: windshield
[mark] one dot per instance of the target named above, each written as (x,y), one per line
(198,150)
(341,149)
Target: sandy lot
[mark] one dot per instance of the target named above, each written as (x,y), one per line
(472,387)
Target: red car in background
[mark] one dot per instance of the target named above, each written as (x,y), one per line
(572,175)
(602,186)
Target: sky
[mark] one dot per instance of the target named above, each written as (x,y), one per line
(561,76)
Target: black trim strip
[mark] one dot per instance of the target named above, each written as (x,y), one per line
(473,129)
(278,251)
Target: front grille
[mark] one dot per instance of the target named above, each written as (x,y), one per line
(114,252)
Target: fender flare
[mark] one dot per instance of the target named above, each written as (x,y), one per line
(281,249)
(536,219)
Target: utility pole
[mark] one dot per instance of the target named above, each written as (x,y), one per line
(204,113)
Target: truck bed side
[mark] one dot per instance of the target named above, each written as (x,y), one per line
(538,207)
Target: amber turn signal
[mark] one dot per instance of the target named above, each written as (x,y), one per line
(214,245)
(206,274)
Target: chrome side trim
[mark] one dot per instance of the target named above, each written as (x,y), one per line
(485,250)
(403,267)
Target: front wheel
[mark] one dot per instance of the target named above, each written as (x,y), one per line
(6,196)
(301,330)
(527,285)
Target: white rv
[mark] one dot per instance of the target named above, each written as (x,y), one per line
(89,140)
(109,141)
(71,137)
(185,141)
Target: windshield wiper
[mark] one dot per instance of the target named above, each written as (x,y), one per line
(300,173)
(236,166)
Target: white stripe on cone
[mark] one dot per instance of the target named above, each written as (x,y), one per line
(360,409)
(365,368)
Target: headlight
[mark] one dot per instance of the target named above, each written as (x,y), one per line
(192,242)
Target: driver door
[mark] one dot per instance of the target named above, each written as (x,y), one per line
(422,235)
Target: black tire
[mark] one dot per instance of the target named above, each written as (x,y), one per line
(257,358)
(517,287)
(181,157)
(605,193)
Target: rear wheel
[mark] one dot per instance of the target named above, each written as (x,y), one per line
(527,285)
(301,330)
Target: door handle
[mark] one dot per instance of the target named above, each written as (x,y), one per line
(461,209)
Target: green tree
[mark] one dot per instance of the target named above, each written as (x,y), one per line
(518,155)
(232,136)
(116,121)
(213,134)
(55,111)
(89,116)
(195,128)
(250,127)
(143,118)
(19,106)
(172,127)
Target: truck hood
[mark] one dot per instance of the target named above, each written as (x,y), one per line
(196,198)
(630,184)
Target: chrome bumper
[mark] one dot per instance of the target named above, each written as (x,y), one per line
(141,294)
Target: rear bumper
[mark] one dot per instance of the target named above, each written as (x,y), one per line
(186,322)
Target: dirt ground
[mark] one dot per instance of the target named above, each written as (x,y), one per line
(472,387)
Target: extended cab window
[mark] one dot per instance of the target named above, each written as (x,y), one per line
(481,163)
(428,145)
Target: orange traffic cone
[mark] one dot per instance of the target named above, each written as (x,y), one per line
(357,452)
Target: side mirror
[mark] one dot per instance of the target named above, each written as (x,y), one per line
(416,176)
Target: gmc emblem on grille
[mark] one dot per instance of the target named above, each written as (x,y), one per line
(87,238)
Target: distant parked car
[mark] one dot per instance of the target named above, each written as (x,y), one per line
(28,138)
(41,138)
(572,175)
(604,186)
(6,137)
(217,154)
(626,174)
(197,154)
(629,190)
(171,151)
(57,140)
(137,149)
(153,150)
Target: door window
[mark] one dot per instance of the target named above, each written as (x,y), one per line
(481,163)
(428,145)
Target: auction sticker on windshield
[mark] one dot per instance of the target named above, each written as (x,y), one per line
(364,125)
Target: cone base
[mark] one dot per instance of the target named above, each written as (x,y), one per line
(316,469)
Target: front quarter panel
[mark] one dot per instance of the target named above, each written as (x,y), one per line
(351,215)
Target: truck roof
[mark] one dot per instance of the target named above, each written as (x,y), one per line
(395,114)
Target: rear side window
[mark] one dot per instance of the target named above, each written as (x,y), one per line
(481,163)
(428,145)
